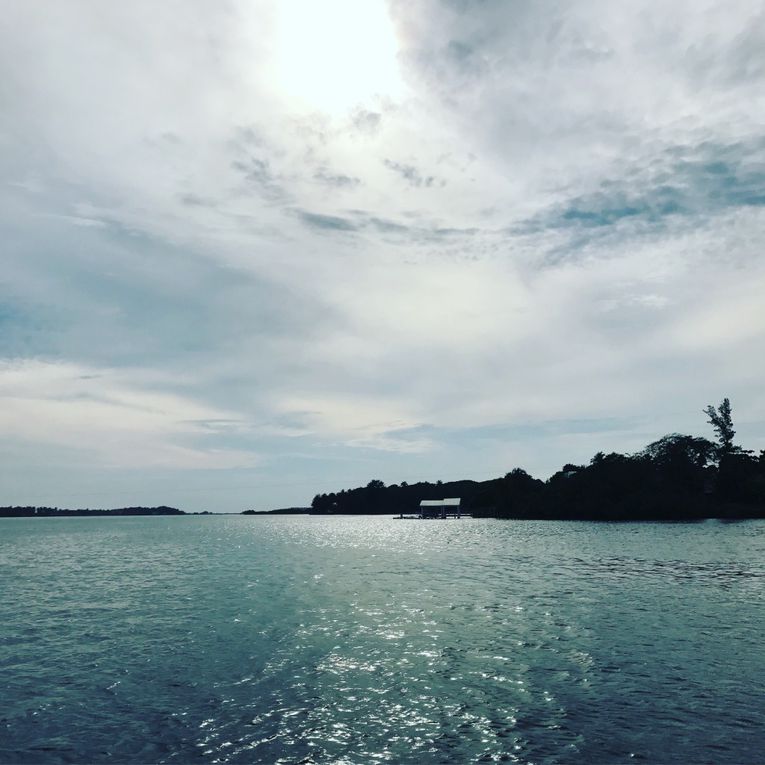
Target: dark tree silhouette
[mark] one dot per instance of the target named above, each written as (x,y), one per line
(720,419)
(48,512)
(677,477)
(677,447)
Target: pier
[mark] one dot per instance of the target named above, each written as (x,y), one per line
(438,509)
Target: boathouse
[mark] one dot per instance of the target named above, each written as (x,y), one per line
(440,508)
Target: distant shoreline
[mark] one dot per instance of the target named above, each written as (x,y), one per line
(729,515)
(56,512)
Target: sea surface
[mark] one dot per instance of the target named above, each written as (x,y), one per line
(368,639)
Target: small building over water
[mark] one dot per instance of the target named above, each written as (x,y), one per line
(441,508)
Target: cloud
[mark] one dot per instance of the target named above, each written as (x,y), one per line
(702,180)
(550,216)
(366,121)
(110,418)
(335,179)
(329,222)
(410,174)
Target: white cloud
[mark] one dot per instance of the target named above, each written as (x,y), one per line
(534,212)
(109,417)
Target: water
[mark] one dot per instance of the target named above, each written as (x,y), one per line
(363,640)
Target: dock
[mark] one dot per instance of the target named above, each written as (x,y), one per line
(438,509)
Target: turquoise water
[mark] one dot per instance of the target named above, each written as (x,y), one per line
(363,640)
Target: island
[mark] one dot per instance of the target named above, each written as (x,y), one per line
(677,477)
(56,512)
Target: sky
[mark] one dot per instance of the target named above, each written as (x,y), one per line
(253,251)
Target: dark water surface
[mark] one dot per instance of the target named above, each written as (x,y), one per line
(363,640)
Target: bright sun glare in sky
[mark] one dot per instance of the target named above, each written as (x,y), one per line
(333,55)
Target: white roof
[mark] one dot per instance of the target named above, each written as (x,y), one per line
(449,502)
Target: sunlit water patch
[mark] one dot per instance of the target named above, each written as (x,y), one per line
(362,640)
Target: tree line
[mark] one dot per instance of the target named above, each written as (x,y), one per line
(677,477)
(30,511)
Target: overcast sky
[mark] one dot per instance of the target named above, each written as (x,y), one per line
(252,251)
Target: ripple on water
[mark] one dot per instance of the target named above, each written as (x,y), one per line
(366,640)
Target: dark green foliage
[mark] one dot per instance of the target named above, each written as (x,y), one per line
(740,477)
(375,498)
(516,495)
(677,477)
(722,422)
(680,463)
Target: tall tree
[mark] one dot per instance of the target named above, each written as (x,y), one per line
(720,419)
